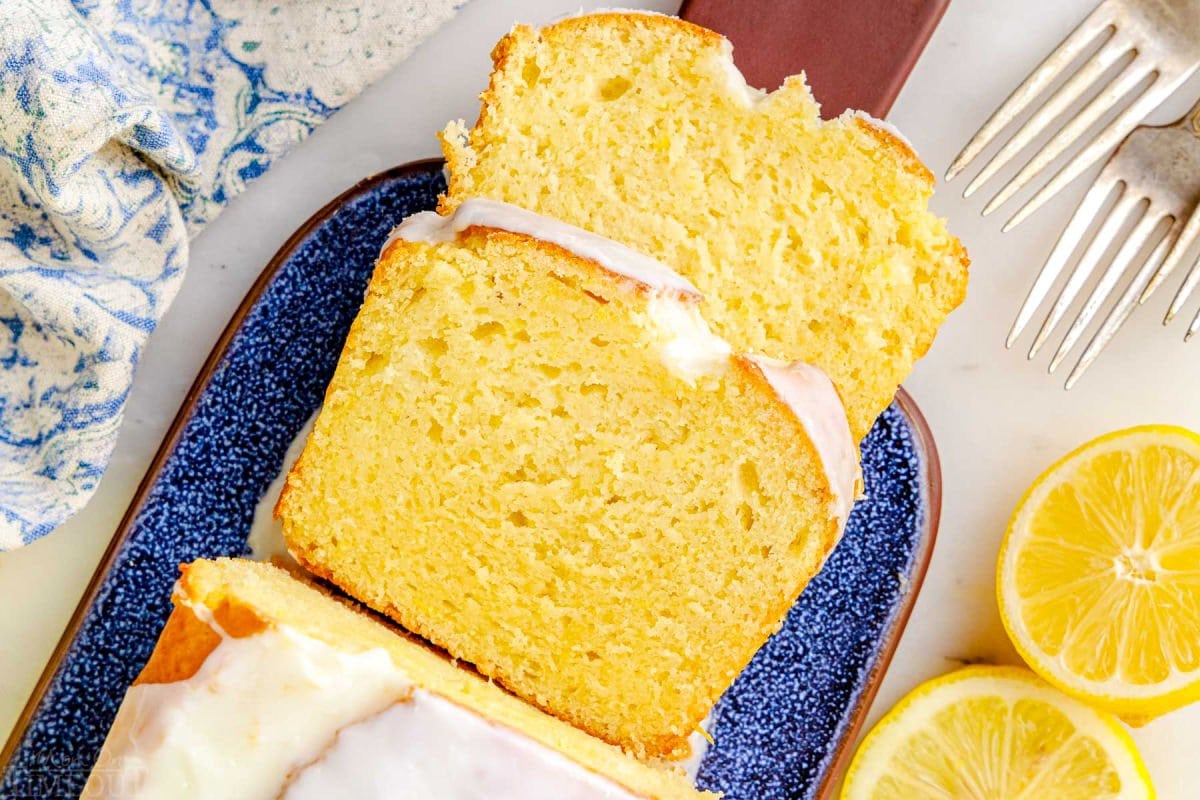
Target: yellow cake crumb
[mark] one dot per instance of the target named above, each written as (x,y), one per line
(811,240)
(506,464)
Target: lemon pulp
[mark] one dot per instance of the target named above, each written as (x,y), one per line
(995,733)
(1099,575)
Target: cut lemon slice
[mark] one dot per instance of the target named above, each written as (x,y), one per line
(1099,574)
(995,733)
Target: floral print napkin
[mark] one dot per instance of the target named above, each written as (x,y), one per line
(125,127)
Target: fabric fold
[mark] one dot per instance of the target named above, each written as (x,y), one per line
(125,127)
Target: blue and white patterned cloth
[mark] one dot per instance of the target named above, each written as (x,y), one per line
(125,127)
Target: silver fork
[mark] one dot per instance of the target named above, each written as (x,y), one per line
(1155,175)
(1163,37)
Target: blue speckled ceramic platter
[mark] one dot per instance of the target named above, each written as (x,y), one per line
(780,732)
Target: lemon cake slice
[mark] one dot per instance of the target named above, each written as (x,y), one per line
(264,687)
(535,454)
(810,240)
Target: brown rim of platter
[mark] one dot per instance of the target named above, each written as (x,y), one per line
(923,437)
(925,444)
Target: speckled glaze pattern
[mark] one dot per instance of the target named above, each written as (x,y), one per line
(778,730)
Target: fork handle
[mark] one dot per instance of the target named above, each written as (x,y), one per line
(855,53)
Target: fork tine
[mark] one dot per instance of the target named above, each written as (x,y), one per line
(1038,81)
(1088,262)
(1125,306)
(1130,77)
(1067,243)
(1191,232)
(1112,276)
(1181,297)
(1112,51)
(1193,329)
(1105,141)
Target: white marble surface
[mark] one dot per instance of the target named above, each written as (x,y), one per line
(998,419)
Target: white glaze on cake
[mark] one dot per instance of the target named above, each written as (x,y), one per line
(735,81)
(691,350)
(280,714)
(431,227)
(644,12)
(257,708)
(814,400)
(428,747)
(698,745)
(883,125)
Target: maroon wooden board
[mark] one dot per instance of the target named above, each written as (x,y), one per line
(855,53)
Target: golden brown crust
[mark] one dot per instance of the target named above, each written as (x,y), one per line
(501,53)
(901,149)
(187,640)
(961,280)
(386,254)
(182,647)
(635,19)
(904,154)
(832,532)
(235,619)
(295,475)
(964,260)
(959,256)
(454,173)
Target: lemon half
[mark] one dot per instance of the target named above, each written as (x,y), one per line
(1099,573)
(999,733)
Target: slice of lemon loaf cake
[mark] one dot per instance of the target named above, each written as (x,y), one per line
(262,687)
(810,240)
(535,454)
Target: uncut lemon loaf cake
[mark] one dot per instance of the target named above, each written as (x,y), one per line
(810,240)
(263,687)
(534,453)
